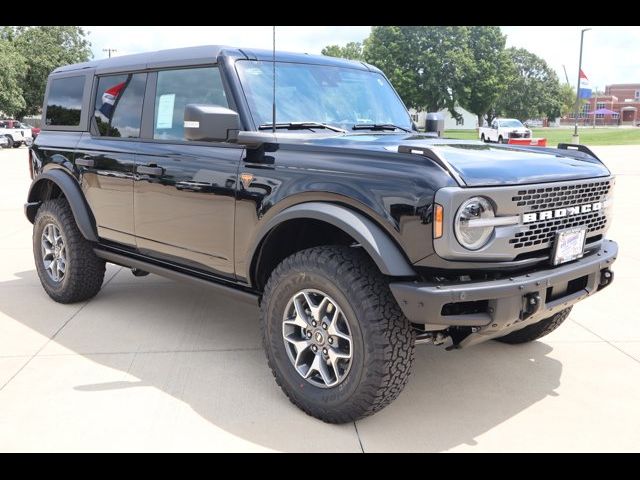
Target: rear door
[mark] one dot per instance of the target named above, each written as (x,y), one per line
(184,193)
(106,155)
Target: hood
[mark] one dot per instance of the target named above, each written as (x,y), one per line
(476,164)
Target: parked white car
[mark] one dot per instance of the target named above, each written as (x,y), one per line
(502,129)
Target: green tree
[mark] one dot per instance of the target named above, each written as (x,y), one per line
(13,69)
(351,51)
(568,99)
(426,64)
(486,78)
(533,88)
(45,48)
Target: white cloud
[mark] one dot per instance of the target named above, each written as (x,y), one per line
(610,53)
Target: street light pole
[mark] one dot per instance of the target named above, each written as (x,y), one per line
(575,131)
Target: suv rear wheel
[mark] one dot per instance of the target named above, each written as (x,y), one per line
(335,339)
(68,268)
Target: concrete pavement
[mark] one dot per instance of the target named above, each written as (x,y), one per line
(153,365)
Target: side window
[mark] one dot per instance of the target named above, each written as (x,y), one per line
(178,88)
(64,103)
(118,106)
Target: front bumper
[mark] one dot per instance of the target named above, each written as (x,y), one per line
(501,306)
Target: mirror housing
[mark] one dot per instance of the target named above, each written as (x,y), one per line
(210,123)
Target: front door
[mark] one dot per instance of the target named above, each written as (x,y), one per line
(184,193)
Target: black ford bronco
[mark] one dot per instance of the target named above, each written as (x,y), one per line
(357,235)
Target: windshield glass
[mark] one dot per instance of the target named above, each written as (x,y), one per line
(338,96)
(511,123)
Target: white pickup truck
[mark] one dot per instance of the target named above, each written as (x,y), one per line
(15,133)
(502,129)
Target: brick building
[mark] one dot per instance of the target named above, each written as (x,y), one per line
(621,98)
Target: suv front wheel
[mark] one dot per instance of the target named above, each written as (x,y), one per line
(68,268)
(336,341)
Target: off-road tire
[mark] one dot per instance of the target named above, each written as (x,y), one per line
(17,145)
(483,138)
(383,340)
(10,140)
(536,330)
(501,140)
(84,270)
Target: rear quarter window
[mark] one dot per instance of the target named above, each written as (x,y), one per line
(64,103)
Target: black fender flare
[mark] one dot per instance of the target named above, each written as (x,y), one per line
(378,244)
(73,193)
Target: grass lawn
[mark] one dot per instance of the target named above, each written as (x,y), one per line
(588,136)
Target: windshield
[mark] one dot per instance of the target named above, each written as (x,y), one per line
(511,123)
(338,96)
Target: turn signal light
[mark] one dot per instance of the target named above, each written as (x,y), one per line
(438,217)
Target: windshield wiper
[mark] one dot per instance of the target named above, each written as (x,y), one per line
(301,126)
(378,126)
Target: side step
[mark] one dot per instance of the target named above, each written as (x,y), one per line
(130,262)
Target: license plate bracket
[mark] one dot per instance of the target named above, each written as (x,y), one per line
(569,245)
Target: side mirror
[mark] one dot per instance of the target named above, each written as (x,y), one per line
(210,123)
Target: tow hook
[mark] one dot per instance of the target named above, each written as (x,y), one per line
(606,277)
(532,304)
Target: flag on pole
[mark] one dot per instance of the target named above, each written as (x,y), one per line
(585,89)
(109,99)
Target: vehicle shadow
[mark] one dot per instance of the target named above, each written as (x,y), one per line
(204,349)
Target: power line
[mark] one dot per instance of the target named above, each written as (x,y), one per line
(109,50)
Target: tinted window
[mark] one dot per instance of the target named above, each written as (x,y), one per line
(118,106)
(65,101)
(178,88)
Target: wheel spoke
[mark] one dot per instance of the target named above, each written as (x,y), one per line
(333,328)
(317,310)
(300,312)
(323,369)
(300,345)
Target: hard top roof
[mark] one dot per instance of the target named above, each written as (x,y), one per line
(202,55)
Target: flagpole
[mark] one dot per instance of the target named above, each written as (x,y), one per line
(595,107)
(576,138)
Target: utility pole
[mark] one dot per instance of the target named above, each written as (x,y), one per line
(565,74)
(595,107)
(576,138)
(109,50)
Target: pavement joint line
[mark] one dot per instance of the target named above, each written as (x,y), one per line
(607,341)
(149,352)
(51,338)
(358,435)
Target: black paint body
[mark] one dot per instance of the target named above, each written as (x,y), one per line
(195,213)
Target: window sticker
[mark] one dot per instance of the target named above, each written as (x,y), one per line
(164,118)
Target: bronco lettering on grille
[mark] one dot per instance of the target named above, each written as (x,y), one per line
(561,212)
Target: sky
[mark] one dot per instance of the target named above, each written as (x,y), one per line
(610,54)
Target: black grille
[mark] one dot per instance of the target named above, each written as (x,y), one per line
(518,135)
(565,196)
(543,232)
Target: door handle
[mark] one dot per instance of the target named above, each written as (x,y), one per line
(85,162)
(150,170)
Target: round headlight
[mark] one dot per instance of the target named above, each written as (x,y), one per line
(470,230)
